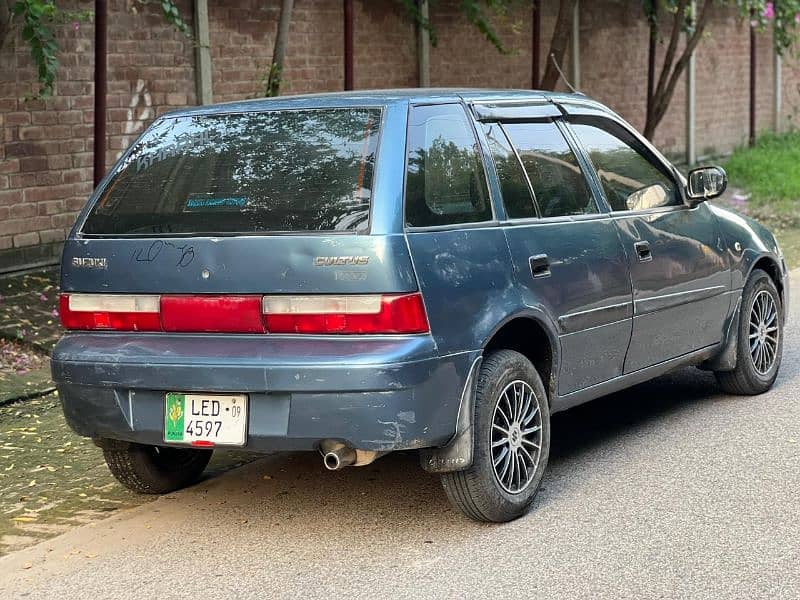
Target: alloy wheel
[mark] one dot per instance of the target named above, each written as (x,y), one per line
(764,332)
(516,436)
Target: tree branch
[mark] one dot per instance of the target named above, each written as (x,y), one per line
(669,57)
(680,66)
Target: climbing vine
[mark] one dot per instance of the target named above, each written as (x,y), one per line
(40,18)
(478,12)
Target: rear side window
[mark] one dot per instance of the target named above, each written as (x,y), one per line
(274,171)
(556,177)
(445,181)
(630,180)
(517,197)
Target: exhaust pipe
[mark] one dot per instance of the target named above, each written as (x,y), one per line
(335,455)
(339,458)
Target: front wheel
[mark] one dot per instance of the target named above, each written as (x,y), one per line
(760,341)
(154,469)
(511,442)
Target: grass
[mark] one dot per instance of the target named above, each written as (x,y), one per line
(769,171)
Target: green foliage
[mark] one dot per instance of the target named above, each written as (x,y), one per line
(41,17)
(38,19)
(478,13)
(173,16)
(769,171)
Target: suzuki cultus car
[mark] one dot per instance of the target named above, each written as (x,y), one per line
(431,270)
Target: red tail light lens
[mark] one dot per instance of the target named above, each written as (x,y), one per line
(212,314)
(110,311)
(319,314)
(345,314)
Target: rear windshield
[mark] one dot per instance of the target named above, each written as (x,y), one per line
(293,170)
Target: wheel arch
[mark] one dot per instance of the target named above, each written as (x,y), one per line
(533,336)
(769,265)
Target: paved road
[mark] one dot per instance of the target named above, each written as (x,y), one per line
(669,490)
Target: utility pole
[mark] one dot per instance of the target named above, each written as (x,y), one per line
(575,60)
(205,94)
(100,79)
(424,45)
(536,43)
(691,144)
(348,44)
(752,136)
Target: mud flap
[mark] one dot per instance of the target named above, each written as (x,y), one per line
(457,454)
(726,360)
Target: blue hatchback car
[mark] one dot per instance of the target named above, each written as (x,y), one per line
(432,270)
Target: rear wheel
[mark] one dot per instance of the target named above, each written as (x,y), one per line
(760,342)
(154,469)
(511,442)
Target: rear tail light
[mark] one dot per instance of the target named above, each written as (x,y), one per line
(110,311)
(345,314)
(353,314)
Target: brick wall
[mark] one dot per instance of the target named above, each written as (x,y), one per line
(46,152)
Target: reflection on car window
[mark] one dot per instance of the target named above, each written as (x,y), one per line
(516,193)
(556,177)
(445,181)
(292,170)
(630,181)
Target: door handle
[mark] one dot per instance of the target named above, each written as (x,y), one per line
(540,265)
(643,251)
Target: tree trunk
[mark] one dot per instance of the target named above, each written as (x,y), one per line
(562,33)
(281,40)
(671,70)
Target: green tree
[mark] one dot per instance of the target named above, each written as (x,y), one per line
(680,19)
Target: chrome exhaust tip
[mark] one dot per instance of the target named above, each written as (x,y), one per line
(339,458)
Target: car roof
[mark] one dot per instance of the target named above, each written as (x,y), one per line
(365,98)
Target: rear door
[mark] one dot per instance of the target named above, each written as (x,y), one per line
(268,201)
(678,269)
(566,252)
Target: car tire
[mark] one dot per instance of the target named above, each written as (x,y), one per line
(154,469)
(487,491)
(759,344)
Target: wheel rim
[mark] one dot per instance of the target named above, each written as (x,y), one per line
(763,332)
(516,437)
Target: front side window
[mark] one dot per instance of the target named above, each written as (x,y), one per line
(272,171)
(445,181)
(555,175)
(630,181)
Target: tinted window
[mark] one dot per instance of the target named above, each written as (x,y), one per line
(304,170)
(630,181)
(556,177)
(445,182)
(516,193)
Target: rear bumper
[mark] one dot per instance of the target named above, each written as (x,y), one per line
(381,393)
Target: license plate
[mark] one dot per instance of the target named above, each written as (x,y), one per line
(205,419)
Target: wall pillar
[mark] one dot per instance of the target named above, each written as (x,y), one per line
(202,66)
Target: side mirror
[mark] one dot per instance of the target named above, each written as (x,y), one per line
(705,183)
